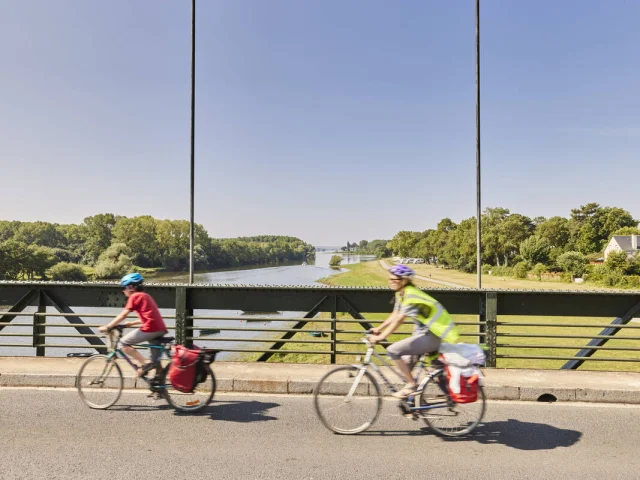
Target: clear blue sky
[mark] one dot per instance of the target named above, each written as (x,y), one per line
(333,121)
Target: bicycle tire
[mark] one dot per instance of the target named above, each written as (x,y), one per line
(98,368)
(437,418)
(193,401)
(333,389)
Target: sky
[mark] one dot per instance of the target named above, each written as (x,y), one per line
(331,121)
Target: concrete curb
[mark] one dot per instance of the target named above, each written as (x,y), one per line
(287,385)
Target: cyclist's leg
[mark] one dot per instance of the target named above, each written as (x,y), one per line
(136,337)
(411,346)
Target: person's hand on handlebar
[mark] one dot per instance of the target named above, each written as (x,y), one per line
(104,328)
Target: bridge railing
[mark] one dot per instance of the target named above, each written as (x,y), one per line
(534,329)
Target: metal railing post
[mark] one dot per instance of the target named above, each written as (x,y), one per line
(334,308)
(491,331)
(39,325)
(181,313)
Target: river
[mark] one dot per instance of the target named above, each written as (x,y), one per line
(287,275)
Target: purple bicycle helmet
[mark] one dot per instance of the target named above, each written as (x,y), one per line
(402,271)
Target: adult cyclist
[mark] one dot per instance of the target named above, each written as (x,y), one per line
(151,324)
(432,325)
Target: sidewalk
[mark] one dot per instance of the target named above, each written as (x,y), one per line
(500,384)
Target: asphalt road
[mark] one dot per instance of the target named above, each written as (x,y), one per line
(50,434)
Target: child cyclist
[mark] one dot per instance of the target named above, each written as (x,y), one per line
(151,324)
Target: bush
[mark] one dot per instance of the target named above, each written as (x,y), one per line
(614,280)
(65,271)
(114,262)
(596,272)
(617,262)
(520,270)
(566,277)
(538,270)
(335,261)
(572,263)
(486,268)
(501,271)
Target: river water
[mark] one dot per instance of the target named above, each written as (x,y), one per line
(287,275)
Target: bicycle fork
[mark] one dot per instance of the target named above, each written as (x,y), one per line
(361,370)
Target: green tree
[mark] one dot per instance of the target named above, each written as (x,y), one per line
(64,271)
(617,261)
(97,231)
(37,261)
(12,256)
(512,232)
(335,261)
(403,243)
(535,249)
(114,262)
(572,262)
(626,231)
(555,231)
(39,233)
(139,234)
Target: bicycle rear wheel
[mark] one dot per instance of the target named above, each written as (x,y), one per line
(448,418)
(193,401)
(344,406)
(99,382)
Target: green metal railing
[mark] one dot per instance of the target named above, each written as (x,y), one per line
(596,319)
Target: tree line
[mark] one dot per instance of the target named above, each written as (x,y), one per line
(115,244)
(378,248)
(517,245)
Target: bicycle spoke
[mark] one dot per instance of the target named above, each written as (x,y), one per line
(343,401)
(99,382)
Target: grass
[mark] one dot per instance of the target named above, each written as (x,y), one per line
(489,281)
(372,274)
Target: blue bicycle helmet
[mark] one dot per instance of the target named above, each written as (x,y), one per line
(131,279)
(402,271)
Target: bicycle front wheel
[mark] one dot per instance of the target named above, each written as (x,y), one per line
(100,382)
(192,401)
(445,417)
(347,400)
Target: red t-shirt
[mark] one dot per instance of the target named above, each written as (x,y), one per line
(145,307)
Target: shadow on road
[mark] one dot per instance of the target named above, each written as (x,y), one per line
(237,411)
(521,435)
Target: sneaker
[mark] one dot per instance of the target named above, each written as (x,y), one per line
(405,392)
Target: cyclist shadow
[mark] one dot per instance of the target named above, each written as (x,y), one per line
(521,435)
(236,411)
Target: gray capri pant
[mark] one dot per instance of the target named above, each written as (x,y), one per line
(138,336)
(414,345)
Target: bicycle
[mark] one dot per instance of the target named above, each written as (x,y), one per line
(336,394)
(100,381)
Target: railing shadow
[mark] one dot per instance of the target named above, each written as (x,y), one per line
(236,411)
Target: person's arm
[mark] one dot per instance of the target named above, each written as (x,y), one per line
(391,318)
(396,320)
(121,316)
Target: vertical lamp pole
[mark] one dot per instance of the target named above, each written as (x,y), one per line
(193,120)
(478,204)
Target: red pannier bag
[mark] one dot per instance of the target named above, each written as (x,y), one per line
(182,370)
(468,388)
